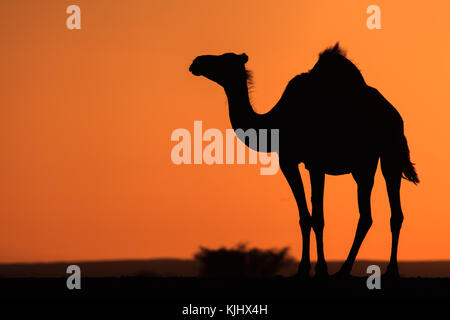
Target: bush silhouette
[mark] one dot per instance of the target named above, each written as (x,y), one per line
(241,262)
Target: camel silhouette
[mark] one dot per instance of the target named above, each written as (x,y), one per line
(333,122)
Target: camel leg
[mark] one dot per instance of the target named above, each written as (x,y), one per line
(317,188)
(365,184)
(293,177)
(393,182)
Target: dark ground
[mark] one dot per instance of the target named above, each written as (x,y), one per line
(216,289)
(284,298)
(167,295)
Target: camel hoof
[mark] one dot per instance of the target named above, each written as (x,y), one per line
(391,273)
(303,271)
(301,276)
(342,275)
(321,271)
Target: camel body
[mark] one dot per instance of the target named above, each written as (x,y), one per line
(333,122)
(334,129)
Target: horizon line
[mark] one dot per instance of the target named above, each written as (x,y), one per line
(193,259)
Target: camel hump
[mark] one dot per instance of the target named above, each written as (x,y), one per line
(296,87)
(333,66)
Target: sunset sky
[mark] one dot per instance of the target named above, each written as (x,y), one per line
(86,118)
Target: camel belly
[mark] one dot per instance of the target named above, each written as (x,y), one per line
(331,167)
(338,157)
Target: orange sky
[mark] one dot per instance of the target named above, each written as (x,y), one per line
(86,118)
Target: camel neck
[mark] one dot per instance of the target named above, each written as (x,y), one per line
(242,115)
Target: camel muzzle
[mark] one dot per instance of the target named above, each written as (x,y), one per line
(193,70)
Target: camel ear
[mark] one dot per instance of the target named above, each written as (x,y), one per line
(244,58)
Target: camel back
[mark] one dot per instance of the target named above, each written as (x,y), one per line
(333,66)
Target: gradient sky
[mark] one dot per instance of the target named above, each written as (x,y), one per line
(86,118)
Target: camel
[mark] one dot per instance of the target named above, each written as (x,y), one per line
(330,120)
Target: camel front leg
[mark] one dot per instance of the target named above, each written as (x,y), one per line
(365,184)
(293,177)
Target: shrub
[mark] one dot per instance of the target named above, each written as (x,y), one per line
(241,262)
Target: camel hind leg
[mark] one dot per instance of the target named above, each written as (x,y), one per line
(317,189)
(392,174)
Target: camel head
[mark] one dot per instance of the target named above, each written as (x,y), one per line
(222,69)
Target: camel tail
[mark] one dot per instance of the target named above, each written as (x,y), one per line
(408,171)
